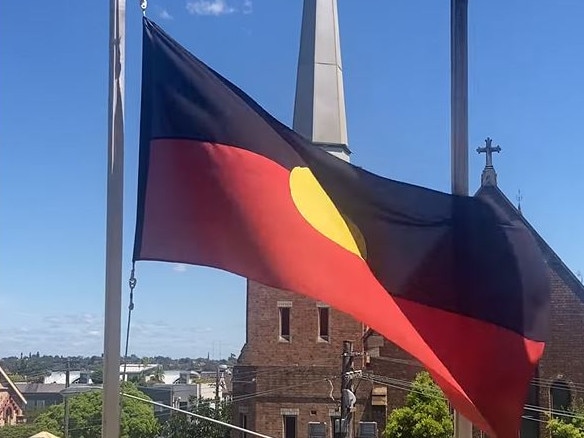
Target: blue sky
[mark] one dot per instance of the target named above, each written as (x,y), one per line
(526,92)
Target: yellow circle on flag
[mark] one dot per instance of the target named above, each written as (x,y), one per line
(318,209)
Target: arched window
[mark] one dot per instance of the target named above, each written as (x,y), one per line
(561,396)
(8,416)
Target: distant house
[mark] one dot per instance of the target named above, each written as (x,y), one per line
(12,402)
(182,388)
(177,395)
(60,377)
(41,395)
(134,370)
(173,377)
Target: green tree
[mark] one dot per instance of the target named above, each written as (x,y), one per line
(425,414)
(97,376)
(568,426)
(183,426)
(137,418)
(19,431)
(158,376)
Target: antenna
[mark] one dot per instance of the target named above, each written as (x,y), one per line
(519,198)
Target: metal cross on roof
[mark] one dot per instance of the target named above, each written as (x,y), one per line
(488,150)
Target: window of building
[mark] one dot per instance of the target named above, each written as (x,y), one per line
(289,426)
(336,427)
(561,396)
(323,323)
(243,424)
(531,420)
(316,430)
(8,416)
(284,323)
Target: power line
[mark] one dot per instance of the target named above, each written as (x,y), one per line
(182,411)
(192,414)
(270,391)
(408,386)
(536,381)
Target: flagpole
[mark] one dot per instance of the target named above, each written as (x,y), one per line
(115,188)
(459,130)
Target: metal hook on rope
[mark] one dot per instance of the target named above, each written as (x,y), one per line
(143,6)
(132,283)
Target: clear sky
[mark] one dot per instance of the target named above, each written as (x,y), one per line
(526,92)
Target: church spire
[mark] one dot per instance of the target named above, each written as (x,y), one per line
(489,176)
(319,108)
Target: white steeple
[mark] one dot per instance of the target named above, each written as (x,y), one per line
(319,109)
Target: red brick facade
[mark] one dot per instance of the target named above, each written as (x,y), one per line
(12,402)
(300,377)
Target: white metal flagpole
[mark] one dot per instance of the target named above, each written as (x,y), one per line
(459,129)
(115,195)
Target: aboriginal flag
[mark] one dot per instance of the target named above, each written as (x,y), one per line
(452,280)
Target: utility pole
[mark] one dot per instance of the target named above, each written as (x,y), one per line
(220,370)
(347,395)
(66,401)
(217,392)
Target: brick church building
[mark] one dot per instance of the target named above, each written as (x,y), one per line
(287,380)
(12,402)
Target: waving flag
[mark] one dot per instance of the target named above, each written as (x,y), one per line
(449,279)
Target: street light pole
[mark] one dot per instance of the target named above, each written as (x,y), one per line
(220,369)
(66,401)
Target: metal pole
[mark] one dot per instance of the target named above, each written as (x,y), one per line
(459,96)
(216,392)
(459,130)
(67,411)
(66,401)
(115,188)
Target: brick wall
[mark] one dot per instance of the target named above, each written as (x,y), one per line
(564,354)
(10,410)
(263,346)
(396,364)
(274,377)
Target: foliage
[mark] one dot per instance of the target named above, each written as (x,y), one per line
(16,378)
(137,419)
(183,426)
(34,367)
(561,429)
(425,414)
(568,427)
(158,376)
(97,376)
(19,431)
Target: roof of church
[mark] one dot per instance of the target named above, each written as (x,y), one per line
(552,259)
(6,380)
